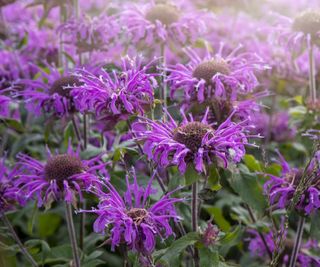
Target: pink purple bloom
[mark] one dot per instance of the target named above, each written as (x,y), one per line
(61,177)
(131,219)
(88,34)
(300,31)
(50,93)
(258,249)
(197,142)
(216,75)
(282,189)
(124,92)
(164,22)
(275,127)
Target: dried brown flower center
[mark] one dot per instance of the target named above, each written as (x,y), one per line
(307,22)
(166,14)
(191,134)
(63,166)
(207,69)
(138,215)
(60,85)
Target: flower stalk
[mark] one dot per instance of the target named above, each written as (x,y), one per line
(72,234)
(194,209)
(14,235)
(297,243)
(312,80)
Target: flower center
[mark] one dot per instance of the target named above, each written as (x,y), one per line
(62,167)
(207,69)
(191,134)
(6,2)
(59,86)
(166,14)
(138,215)
(307,22)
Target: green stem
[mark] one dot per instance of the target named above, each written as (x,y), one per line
(312,80)
(164,83)
(297,243)
(14,235)
(194,209)
(77,132)
(72,234)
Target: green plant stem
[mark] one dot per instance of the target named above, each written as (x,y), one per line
(85,131)
(14,235)
(194,209)
(312,80)
(77,132)
(72,234)
(164,82)
(253,219)
(297,243)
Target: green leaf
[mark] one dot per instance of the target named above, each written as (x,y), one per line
(209,257)
(23,41)
(13,124)
(48,223)
(247,186)
(231,239)
(218,217)
(252,163)
(191,175)
(178,246)
(214,179)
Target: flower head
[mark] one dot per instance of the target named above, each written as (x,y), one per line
(130,219)
(275,127)
(125,92)
(210,235)
(301,30)
(62,177)
(88,34)
(164,22)
(50,92)
(215,75)
(282,189)
(197,142)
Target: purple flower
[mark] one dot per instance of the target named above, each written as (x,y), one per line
(7,189)
(130,219)
(210,235)
(282,189)
(164,22)
(125,92)
(257,249)
(215,75)
(88,34)
(197,142)
(50,92)
(275,127)
(301,30)
(62,177)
